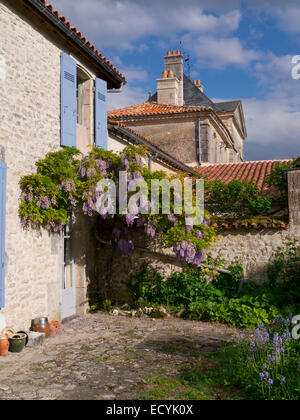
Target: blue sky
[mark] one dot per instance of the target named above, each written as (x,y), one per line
(238,49)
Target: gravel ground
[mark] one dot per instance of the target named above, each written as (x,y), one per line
(104,357)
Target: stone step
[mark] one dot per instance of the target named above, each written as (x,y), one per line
(35,338)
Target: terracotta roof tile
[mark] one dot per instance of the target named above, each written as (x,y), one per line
(250,223)
(79,34)
(150,108)
(255,171)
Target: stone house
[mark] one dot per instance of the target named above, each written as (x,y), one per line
(54,86)
(182,120)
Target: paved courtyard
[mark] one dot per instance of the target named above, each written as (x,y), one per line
(104,357)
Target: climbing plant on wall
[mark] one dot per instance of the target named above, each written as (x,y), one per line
(66,180)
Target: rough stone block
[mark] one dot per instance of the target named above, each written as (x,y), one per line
(35,339)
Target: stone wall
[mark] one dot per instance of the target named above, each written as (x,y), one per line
(175,136)
(179,136)
(29,115)
(255,249)
(29,129)
(117,145)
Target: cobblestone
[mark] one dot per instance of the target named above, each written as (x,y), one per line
(106,357)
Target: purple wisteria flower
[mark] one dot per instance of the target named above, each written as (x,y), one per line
(141,222)
(199,258)
(102,165)
(139,160)
(130,219)
(125,163)
(44,202)
(90,172)
(137,175)
(173,219)
(126,247)
(29,197)
(150,230)
(116,234)
(82,171)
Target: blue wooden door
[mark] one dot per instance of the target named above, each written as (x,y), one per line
(101,114)
(68,100)
(2,231)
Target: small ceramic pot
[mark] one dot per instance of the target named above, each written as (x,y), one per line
(54,325)
(4,345)
(52,330)
(26,336)
(17,343)
(41,325)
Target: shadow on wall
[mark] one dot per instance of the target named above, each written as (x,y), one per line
(111,270)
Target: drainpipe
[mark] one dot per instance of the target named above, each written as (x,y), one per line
(151,160)
(199,142)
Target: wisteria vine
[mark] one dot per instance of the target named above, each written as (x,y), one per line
(67,181)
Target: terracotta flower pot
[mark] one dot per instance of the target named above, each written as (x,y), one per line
(4,345)
(54,328)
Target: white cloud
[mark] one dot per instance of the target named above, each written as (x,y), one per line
(274,74)
(220,52)
(273,123)
(123,24)
(273,127)
(287,17)
(134,73)
(128,96)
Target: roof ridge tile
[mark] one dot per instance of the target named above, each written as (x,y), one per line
(63,19)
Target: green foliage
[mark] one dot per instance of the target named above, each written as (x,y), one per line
(209,296)
(241,198)
(236,197)
(48,196)
(265,366)
(237,367)
(275,179)
(66,180)
(179,234)
(259,205)
(285,267)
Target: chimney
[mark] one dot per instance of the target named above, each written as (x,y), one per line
(197,83)
(170,88)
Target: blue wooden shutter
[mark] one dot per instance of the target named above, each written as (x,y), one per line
(101,114)
(2,230)
(68,100)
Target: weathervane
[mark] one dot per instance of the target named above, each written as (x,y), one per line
(186,60)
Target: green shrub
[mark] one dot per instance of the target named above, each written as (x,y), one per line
(265,365)
(217,299)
